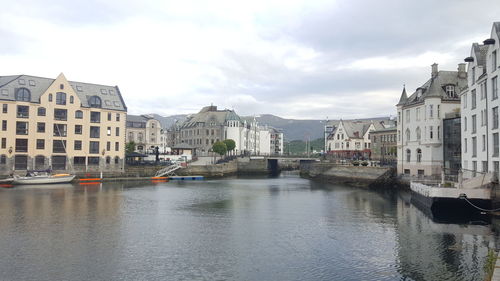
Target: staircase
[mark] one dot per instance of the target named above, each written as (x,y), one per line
(168,171)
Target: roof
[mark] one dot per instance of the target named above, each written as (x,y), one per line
(110,95)
(480,52)
(210,114)
(404,97)
(436,87)
(389,129)
(136,118)
(358,128)
(496,25)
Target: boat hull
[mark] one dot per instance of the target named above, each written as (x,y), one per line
(449,205)
(43,180)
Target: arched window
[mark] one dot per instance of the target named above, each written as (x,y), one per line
(419,155)
(61,98)
(95,101)
(407,134)
(108,160)
(450,91)
(408,155)
(71,99)
(78,114)
(418,133)
(23,94)
(50,97)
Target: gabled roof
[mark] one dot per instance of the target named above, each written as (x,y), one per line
(357,128)
(480,52)
(110,95)
(436,87)
(210,114)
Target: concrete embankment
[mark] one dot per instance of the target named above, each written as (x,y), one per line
(363,176)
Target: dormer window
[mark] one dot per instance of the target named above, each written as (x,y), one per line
(95,101)
(23,94)
(450,91)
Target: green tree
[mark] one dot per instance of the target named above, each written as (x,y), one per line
(230,144)
(130,147)
(219,148)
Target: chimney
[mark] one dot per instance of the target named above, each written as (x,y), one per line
(434,70)
(461,71)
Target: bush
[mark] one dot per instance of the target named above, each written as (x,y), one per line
(355,163)
(364,163)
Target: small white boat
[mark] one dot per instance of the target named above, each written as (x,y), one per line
(43,178)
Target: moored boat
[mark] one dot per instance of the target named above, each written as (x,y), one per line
(36,177)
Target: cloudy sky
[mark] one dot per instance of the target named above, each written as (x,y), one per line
(307,59)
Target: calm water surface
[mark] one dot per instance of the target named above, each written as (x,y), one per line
(283,228)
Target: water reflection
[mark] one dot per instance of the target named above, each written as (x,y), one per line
(251,228)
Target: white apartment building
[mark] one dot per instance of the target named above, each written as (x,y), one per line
(419,124)
(480,105)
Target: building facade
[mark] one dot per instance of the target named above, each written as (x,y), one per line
(480,105)
(60,124)
(384,145)
(350,139)
(420,122)
(146,132)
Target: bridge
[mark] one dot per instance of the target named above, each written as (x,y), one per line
(273,162)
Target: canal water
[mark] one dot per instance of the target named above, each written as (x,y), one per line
(281,228)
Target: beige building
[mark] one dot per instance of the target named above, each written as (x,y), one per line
(60,124)
(146,132)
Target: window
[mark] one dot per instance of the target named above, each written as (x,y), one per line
(474,168)
(104,92)
(496,167)
(495,144)
(494,88)
(474,147)
(5,108)
(79,88)
(117,131)
(95,101)
(130,136)
(60,130)
(93,161)
(71,99)
(465,145)
(417,114)
(23,111)
(485,166)
(61,86)
(39,162)
(431,132)
(408,155)
(95,117)
(418,133)
(109,116)
(21,145)
(419,155)
(21,162)
(439,111)
(483,90)
(4,142)
(94,147)
(473,77)
(118,117)
(61,98)
(78,160)
(473,99)
(117,159)
(494,117)
(95,132)
(40,144)
(464,100)
(484,143)
(108,146)
(78,129)
(108,160)
(109,131)
(78,114)
(23,94)
(474,125)
(4,125)
(60,114)
(494,61)
(3,159)
(450,91)
(50,97)
(21,128)
(117,146)
(59,146)
(41,111)
(77,145)
(465,123)
(59,162)
(431,110)
(407,115)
